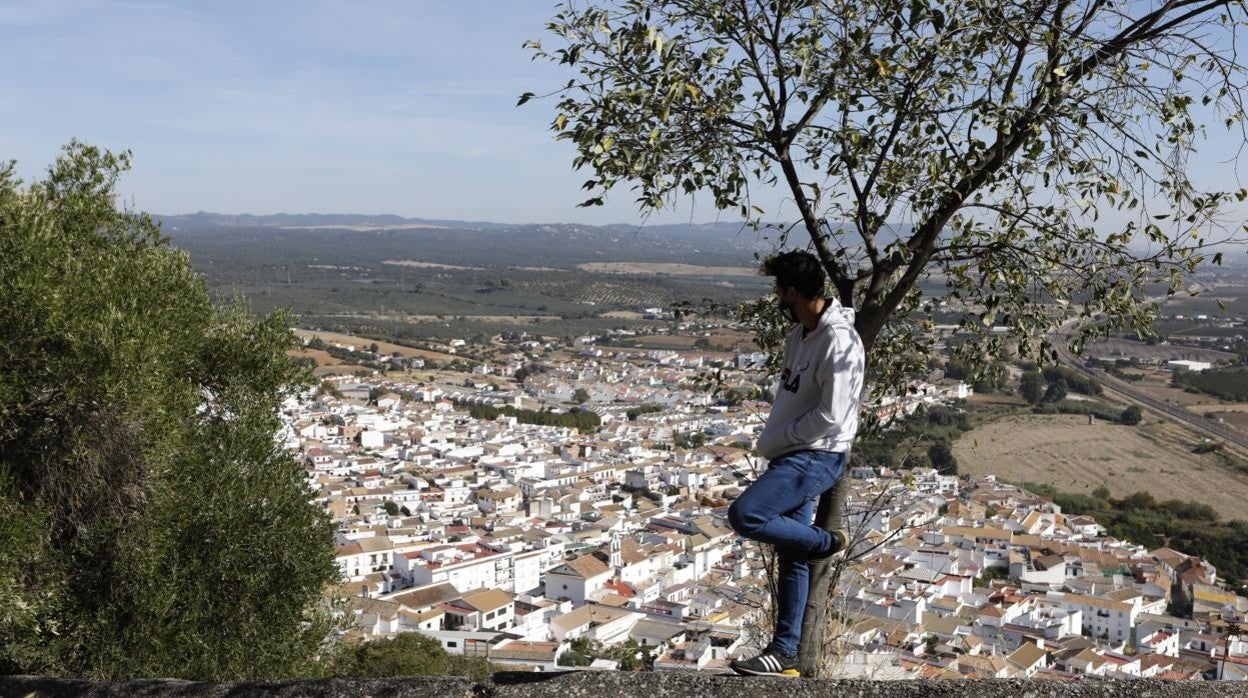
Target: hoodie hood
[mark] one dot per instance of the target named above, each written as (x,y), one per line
(834,315)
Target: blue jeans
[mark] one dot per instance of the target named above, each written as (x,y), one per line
(779,508)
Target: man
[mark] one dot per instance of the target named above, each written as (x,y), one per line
(807,440)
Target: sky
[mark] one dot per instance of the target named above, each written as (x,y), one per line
(325,106)
(311,106)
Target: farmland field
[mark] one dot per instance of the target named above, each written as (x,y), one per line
(664,268)
(1074,456)
(1228,384)
(326,365)
(1156,384)
(384,347)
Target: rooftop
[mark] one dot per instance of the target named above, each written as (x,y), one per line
(602,684)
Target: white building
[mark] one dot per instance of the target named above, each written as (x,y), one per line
(1185,365)
(577,579)
(467,566)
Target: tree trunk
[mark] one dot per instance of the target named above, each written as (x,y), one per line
(828,516)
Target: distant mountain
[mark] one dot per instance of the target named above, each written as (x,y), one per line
(724,234)
(205,219)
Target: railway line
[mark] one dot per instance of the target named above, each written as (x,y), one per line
(1124,389)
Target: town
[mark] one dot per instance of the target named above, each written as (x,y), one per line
(541,546)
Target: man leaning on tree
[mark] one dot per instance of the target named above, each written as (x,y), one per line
(806,439)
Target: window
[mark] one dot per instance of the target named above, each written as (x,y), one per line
(452,643)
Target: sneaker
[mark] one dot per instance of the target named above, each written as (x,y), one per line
(769,663)
(840,541)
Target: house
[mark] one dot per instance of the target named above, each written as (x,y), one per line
(577,579)
(498,501)
(467,566)
(527,655)
(606,624)
(362,556)
(651,632)
(424,598)
(1028,659)
(1160,642)
(1104,618)
(484,609)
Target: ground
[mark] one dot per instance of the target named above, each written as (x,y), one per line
(1156,384)
(1074,456)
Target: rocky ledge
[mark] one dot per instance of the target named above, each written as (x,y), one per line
(596,684)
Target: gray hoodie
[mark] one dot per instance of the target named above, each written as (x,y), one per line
(820,388)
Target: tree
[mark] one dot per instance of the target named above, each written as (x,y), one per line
(142,495)
(391,508)
(1031,386)
(580,396)
(1131,415)
(942,458)
(976,141)
(328,388)
(1056,392)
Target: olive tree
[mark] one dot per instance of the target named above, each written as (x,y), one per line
(1022,162)
(150,523)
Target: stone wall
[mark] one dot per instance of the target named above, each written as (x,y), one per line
(605,684)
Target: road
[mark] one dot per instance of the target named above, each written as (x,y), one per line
(1124,389)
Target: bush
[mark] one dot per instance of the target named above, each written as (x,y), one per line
(1101,410)
(1031,386)
(408,654)
(1131,415)
(1075,381)
(1056,392)
(574,658)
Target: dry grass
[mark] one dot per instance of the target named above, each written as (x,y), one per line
(322,357)
(1070,454)
(1235,419)
(1156,384)
(326,365)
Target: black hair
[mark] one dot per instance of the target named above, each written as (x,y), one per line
(797,269)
